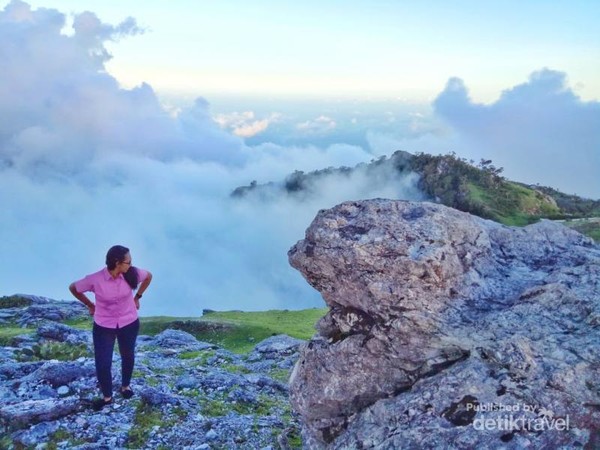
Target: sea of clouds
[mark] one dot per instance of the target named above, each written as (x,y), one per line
(86,164)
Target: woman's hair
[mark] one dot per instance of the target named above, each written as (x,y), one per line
(115,255)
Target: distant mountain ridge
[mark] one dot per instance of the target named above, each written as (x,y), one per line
(479,189)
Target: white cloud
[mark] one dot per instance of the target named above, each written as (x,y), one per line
(89,165)
(539,131)
(245,124)
(321,124)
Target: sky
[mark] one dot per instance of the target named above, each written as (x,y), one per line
(131,123)
(348,48)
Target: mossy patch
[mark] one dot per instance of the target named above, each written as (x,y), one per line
(7,333)
(145,419)
(60,351)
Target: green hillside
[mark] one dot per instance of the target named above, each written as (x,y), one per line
(477,188)
(481,190)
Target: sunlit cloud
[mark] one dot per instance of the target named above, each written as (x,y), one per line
(245,124)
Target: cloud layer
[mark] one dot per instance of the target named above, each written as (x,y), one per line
(539,131)
(86,164)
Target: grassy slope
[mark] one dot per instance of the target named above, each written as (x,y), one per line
(240,331)
(236,331)
(480,190)
(590,227)
(512,204)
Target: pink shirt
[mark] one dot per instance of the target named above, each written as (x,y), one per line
(115,306)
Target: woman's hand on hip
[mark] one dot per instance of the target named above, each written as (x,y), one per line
(91,308)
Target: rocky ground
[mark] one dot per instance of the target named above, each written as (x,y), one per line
(188,394)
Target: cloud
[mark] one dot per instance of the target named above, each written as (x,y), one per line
(89,164)
(61,109)
(321,124)
(539,131)
(245,124)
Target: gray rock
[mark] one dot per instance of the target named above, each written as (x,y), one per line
(186,381)
(45,392)
(62,390)
(43,309)
(36,434)
(434,311)
(7,353)
(15,370)
(177,339)
(7,395)
(24,340)
(154,396)
(242,396)
(63,333)
(34,411)
(219,379)
(60,373)
(241,413)
(211,435)
(264,381)
(281,344)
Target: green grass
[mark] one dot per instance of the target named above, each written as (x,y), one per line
(146,417)
(589,227)
(281,375)
(511,203)
(61,351)
(517,205)
(214,407)
(7,333)
(80,324)
(236,331)
(239,331)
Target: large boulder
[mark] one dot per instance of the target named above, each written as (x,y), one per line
(57,373)
(63,333)
(442,325)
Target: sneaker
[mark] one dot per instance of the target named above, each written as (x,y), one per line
(99,403)
(127,392)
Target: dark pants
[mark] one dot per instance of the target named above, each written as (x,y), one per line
(104,342)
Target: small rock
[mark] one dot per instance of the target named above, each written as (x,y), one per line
(63,390)
(211,435)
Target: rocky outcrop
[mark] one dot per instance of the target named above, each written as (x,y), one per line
(188,393)
(448,331)
(36,310)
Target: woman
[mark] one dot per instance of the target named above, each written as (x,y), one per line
(115,316)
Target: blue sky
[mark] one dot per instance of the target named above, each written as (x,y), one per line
(362,49)
(144,148)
